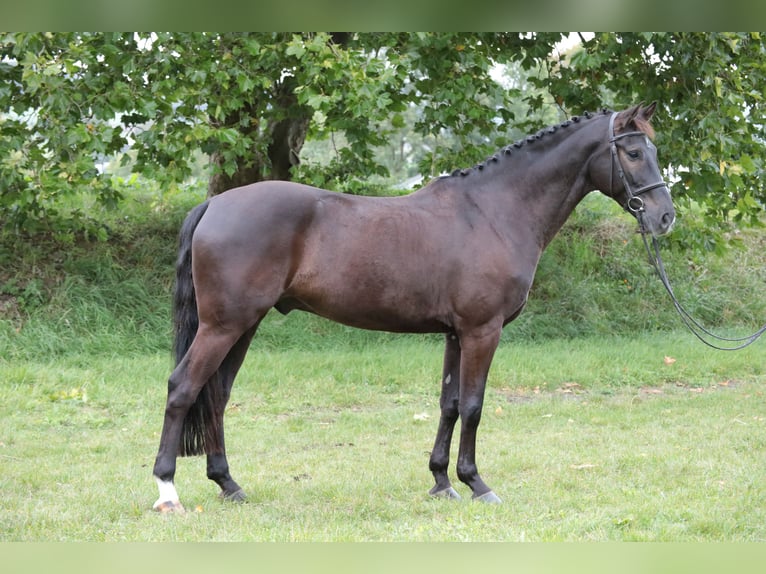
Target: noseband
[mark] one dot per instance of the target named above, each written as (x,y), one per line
(634,203)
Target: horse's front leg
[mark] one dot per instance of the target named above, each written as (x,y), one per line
(478,348)
(439,461)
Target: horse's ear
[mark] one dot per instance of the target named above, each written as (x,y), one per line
(642,120)
(626,118)
(648,111)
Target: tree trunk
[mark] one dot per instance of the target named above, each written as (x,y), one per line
(286,133)
(286,136)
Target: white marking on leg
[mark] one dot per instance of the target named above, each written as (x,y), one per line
(448,379)
(167,492)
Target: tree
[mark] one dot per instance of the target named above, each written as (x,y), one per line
(250,101)
(246,100)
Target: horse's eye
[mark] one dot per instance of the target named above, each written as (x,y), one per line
(634,154)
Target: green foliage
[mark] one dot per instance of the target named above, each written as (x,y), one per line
(70,101)
(60,296)
(594,278)
(55,124)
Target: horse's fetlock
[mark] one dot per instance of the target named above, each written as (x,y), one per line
(438,463)
(218,473)
(467,472)
(164,471)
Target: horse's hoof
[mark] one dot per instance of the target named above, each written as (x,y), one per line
(488,497)
(169,507)
(238,496)
(448,492)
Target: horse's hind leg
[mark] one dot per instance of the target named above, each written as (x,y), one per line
(439,461)
(217,465)
(207,352)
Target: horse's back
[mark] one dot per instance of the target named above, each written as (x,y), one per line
(269,198)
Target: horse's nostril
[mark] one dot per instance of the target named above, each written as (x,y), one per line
(668,220)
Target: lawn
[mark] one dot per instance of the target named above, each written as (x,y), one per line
(651,438)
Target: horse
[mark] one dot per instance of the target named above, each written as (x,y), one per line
(456,257)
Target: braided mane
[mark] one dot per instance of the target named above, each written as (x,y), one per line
(643,125)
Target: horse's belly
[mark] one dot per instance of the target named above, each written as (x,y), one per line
(356,309)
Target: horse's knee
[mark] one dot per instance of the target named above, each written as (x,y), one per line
(470,412)
(450,411)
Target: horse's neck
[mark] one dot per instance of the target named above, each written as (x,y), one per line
(545,183)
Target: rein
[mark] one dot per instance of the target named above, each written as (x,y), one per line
(635,205)
(694,326)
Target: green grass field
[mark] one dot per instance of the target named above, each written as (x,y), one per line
(584,440)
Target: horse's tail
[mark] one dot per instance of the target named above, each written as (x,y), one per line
(200,433)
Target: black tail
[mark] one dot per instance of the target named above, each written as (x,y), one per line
(200,432)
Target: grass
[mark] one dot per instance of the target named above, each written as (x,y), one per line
(583,441)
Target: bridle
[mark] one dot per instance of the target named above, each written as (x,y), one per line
(635,205)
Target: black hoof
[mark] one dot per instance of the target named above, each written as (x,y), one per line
(488,497)
(448,492)
(238,496)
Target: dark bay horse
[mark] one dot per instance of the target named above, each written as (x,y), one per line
(456,257)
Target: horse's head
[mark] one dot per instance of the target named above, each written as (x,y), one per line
(632,176)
